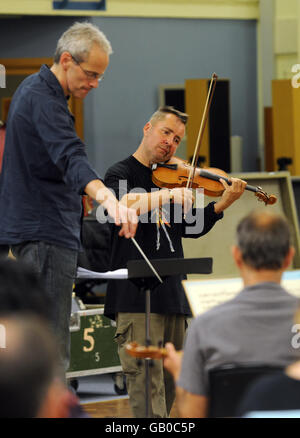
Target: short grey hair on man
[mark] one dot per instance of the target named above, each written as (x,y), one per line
(161,113)
(264,240)
(79,39)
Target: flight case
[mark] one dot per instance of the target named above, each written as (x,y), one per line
(93,349)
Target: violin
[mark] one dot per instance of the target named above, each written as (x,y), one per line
(151,352)
(176,172)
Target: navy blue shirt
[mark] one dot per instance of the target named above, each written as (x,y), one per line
(45,167)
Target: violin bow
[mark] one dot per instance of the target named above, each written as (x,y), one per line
(211,90)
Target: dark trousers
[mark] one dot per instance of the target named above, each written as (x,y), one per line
(57,268)
(4,251)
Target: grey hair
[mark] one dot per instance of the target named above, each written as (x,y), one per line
(79,39)
(264,240)
(161,113)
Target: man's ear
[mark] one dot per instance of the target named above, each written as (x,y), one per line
(289,257)
(65,60)
(237,255)
(147,128)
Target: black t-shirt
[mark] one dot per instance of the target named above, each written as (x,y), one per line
(276,392)
(157,242)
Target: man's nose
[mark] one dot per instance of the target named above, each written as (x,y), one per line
(93,82)
(168,140)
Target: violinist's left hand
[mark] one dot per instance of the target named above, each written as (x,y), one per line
(172,362)
(231,193)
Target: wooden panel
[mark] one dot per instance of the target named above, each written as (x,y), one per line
(76,107)
(28,66)
(215,145)
(5,103)
(24,66)
(195,98)
(296,127)
(286,128)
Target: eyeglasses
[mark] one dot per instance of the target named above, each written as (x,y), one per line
(89,74)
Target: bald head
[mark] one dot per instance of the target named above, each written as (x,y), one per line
(264,240)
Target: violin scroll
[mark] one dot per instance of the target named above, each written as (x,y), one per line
(264,197)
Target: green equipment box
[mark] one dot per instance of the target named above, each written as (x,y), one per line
(93,349)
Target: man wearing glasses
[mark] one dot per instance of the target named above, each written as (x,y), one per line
(45,170)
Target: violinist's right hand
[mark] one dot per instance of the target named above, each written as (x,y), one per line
(144,202)
(183,196)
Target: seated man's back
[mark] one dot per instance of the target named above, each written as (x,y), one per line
(254,327)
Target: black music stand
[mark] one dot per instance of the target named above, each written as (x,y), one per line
(143,277)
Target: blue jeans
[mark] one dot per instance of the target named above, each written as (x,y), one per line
(57,268)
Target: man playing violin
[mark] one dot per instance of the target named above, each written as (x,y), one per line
(160,236)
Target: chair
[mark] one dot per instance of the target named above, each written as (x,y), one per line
(228,383)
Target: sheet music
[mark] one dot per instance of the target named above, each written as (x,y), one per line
(118,274)
(202,295)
